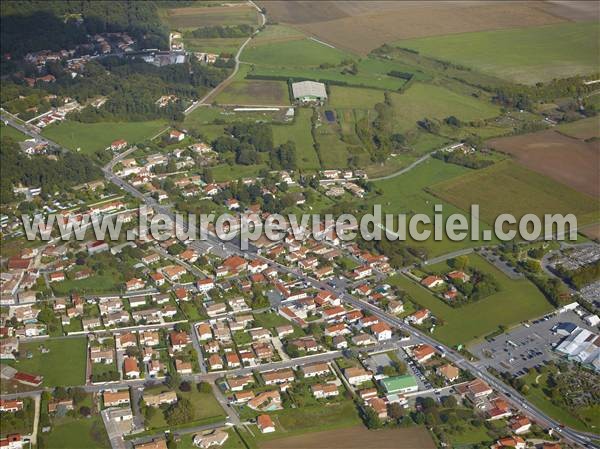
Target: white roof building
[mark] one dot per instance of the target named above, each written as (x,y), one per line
(306,91)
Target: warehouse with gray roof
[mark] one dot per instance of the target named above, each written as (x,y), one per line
(309,92)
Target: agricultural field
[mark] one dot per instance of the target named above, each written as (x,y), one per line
(255,92)
(565,159)
(516,301)
(293,53)
(275,33)
(357,438)
(63,365)
(421,101)
(384,22)
(92,137)
(204,16)
(553,51)
(406,194)
(299,133)
(507,187)
(588,128)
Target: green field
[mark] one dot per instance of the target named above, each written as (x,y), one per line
(517,300)
(63,365)
(216,45)
(68,433)
(362,79)
(226,172)
(94,284)
(293,53)
(299,133)
(507,187)
(587,128)
(9,131)
(202,16)
(255,92)
(544,53)
(353,97)
(91,137)
(406,194)
(421,101)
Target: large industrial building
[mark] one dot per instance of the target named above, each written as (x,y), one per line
(309,92)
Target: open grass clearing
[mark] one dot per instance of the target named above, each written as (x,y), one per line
(357,437)
(545,52)
(294,53)
(92,137)
(63,365)
(352,97)
(516,301)
(255,92)
(203,16)
(406,194)
(299,132)
(422,100)
(69,433)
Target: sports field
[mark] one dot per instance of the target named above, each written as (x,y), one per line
(422,100)
(507,187)
(552,51)
(516,301)
(91,137)
(299,133)
(294,53)
(63,365)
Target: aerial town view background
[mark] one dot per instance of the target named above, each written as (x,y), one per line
(258,108)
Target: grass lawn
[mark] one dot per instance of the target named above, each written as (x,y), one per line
(94,284)
(226,172)
(269,320)
(294,53)
(422,100)
(315,418)
(69,433)
(506,187)
(406,194)
(91,137)
(546,52)
(255,92)
(63,365)
(517,300)
(275,33)
(354,97)
(207,409)
(13,133)
(299,132)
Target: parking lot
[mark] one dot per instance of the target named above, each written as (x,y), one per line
(526,346)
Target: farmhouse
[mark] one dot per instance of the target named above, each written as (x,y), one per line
(309,92)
